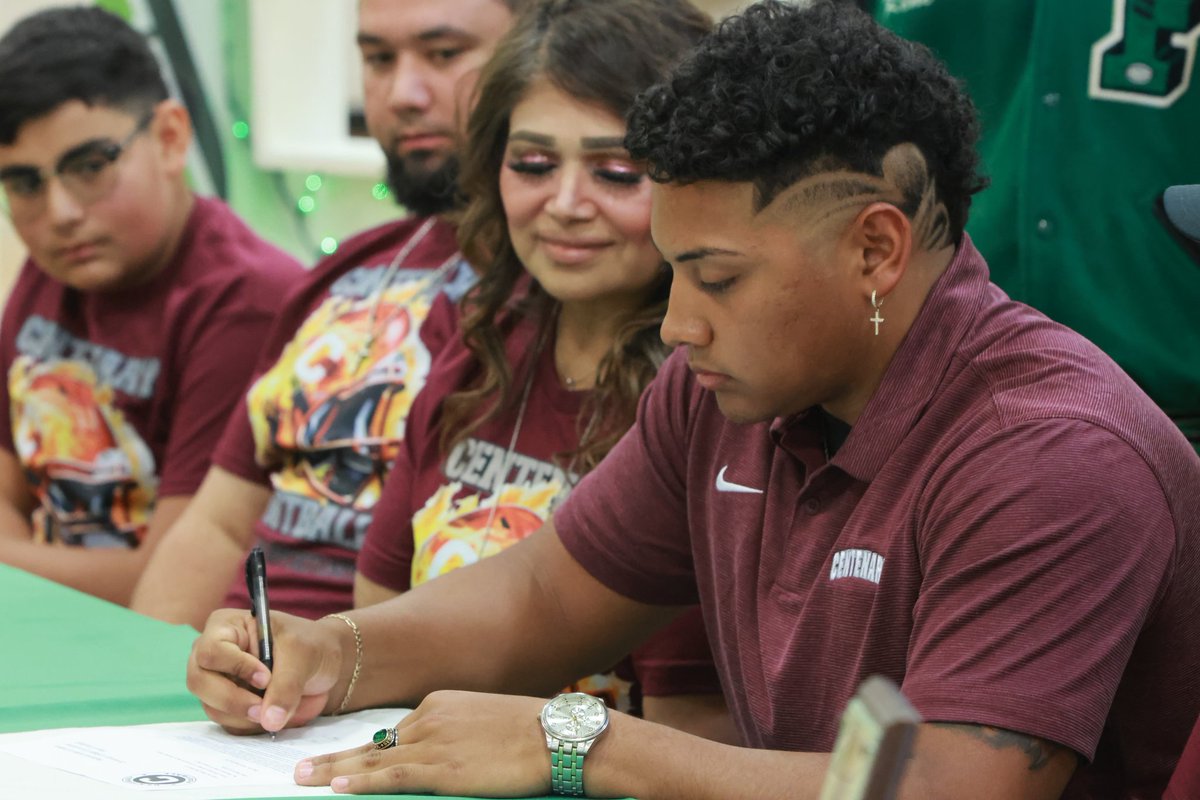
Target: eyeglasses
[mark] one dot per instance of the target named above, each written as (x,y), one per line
(86,172)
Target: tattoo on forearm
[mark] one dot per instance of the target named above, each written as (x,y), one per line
(1038,751)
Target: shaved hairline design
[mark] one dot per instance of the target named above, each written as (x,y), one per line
(829,189)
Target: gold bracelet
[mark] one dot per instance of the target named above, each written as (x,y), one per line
(358,657)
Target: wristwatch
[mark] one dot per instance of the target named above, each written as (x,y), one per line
(572,722)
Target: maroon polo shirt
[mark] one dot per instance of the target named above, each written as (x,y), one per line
(1010,531)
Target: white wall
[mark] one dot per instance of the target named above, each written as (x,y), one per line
(12,253)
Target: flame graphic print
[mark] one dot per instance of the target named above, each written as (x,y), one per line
(332,408)
(448,534)
(93,474)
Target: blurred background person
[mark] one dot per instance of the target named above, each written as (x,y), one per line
(301,466)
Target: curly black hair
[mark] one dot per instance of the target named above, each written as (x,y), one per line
(74,53)
(780,92)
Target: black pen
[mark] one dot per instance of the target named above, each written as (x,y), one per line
(260,607)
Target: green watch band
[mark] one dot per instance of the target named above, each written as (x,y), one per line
(566,770)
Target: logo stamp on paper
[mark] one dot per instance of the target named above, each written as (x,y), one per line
(159,779)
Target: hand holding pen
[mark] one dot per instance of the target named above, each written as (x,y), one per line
(240,695)
(260,607)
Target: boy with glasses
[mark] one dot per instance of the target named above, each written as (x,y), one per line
(133,324)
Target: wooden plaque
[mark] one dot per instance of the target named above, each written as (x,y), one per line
(873,744)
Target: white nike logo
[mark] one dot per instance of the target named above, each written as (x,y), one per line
(725,486)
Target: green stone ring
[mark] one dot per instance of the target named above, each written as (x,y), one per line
(384,738)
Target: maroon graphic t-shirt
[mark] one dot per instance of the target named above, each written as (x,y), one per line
(114,399)
(441,511)
(325,414)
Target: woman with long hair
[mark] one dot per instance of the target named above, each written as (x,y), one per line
(560,335)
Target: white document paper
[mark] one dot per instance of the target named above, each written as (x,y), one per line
(187,759)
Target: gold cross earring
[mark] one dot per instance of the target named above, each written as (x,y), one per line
(876,305)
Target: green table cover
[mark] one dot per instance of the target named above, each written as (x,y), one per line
(71,660)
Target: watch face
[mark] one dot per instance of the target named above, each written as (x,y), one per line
(575,717)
